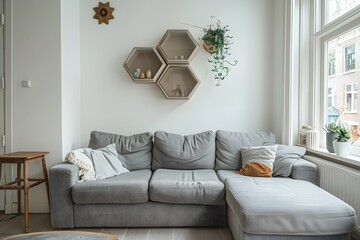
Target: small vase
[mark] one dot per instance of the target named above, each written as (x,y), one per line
(342,148)
(330,138)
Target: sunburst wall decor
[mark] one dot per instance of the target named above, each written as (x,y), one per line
(103,13)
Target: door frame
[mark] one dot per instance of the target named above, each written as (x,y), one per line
(8,63)
(7,198)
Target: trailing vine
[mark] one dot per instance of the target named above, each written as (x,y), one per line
(217,42)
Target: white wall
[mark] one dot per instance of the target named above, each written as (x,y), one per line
(79,83)
(278,68)
(37,110)
(70,74)
(111,102)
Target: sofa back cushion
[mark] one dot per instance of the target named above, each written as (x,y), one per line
(229,144)
(134,151)
(173,151)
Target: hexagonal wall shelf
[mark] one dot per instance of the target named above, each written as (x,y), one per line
(178,82)
(148,60)
(178,46)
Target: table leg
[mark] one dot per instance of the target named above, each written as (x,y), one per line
(46,178)
(26,197)
(18,179)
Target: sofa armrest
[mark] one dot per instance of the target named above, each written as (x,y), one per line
(305,170)
(61,179)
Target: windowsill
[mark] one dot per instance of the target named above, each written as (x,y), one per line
(343,73)
(350,71)
(350,161)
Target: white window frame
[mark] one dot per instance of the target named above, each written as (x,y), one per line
(324,33)
(353,108)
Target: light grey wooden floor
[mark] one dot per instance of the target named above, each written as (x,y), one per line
(41,222)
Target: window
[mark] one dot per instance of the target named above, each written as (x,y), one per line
(351,97)
(331,61)
(337,8)
(349,58)
(331,97)
(342,88)
(340,44)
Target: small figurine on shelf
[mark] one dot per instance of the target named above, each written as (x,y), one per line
(137,73)
(182,57)
(177,91)
(142,75)
(148,73)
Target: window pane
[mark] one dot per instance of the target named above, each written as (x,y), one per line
(348,88)
(342,87)
(350,58)
(331,59)
(350,49)
(354,107)
(348,102)
(336,8)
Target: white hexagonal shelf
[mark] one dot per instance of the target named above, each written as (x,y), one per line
(148,60)
(178,82)
(178,46)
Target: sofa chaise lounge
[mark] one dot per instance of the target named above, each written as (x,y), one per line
(193,180)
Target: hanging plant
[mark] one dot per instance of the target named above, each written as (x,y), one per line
(217,42)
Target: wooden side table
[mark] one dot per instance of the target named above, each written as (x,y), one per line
(24,158)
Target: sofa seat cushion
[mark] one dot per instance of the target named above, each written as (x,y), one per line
(223,175)
(187,187)
(284,206)
(131,187)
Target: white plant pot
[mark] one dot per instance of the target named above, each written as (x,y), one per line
(342,148)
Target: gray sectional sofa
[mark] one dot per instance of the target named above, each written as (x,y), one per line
(192,180)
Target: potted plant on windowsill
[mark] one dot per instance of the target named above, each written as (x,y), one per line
(217,42)
(331,134)
(342,143)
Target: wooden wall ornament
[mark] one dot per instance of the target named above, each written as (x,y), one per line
(103,13)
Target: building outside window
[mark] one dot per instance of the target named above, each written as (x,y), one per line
(350,58)
(341,88)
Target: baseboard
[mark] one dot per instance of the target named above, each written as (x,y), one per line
(11,208)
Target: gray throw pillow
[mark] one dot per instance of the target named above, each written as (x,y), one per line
(173,151)
(285,157)
(229,144)
(133,151)
(105,161)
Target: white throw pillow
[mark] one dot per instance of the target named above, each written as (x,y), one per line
(86,168)
(258,161)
